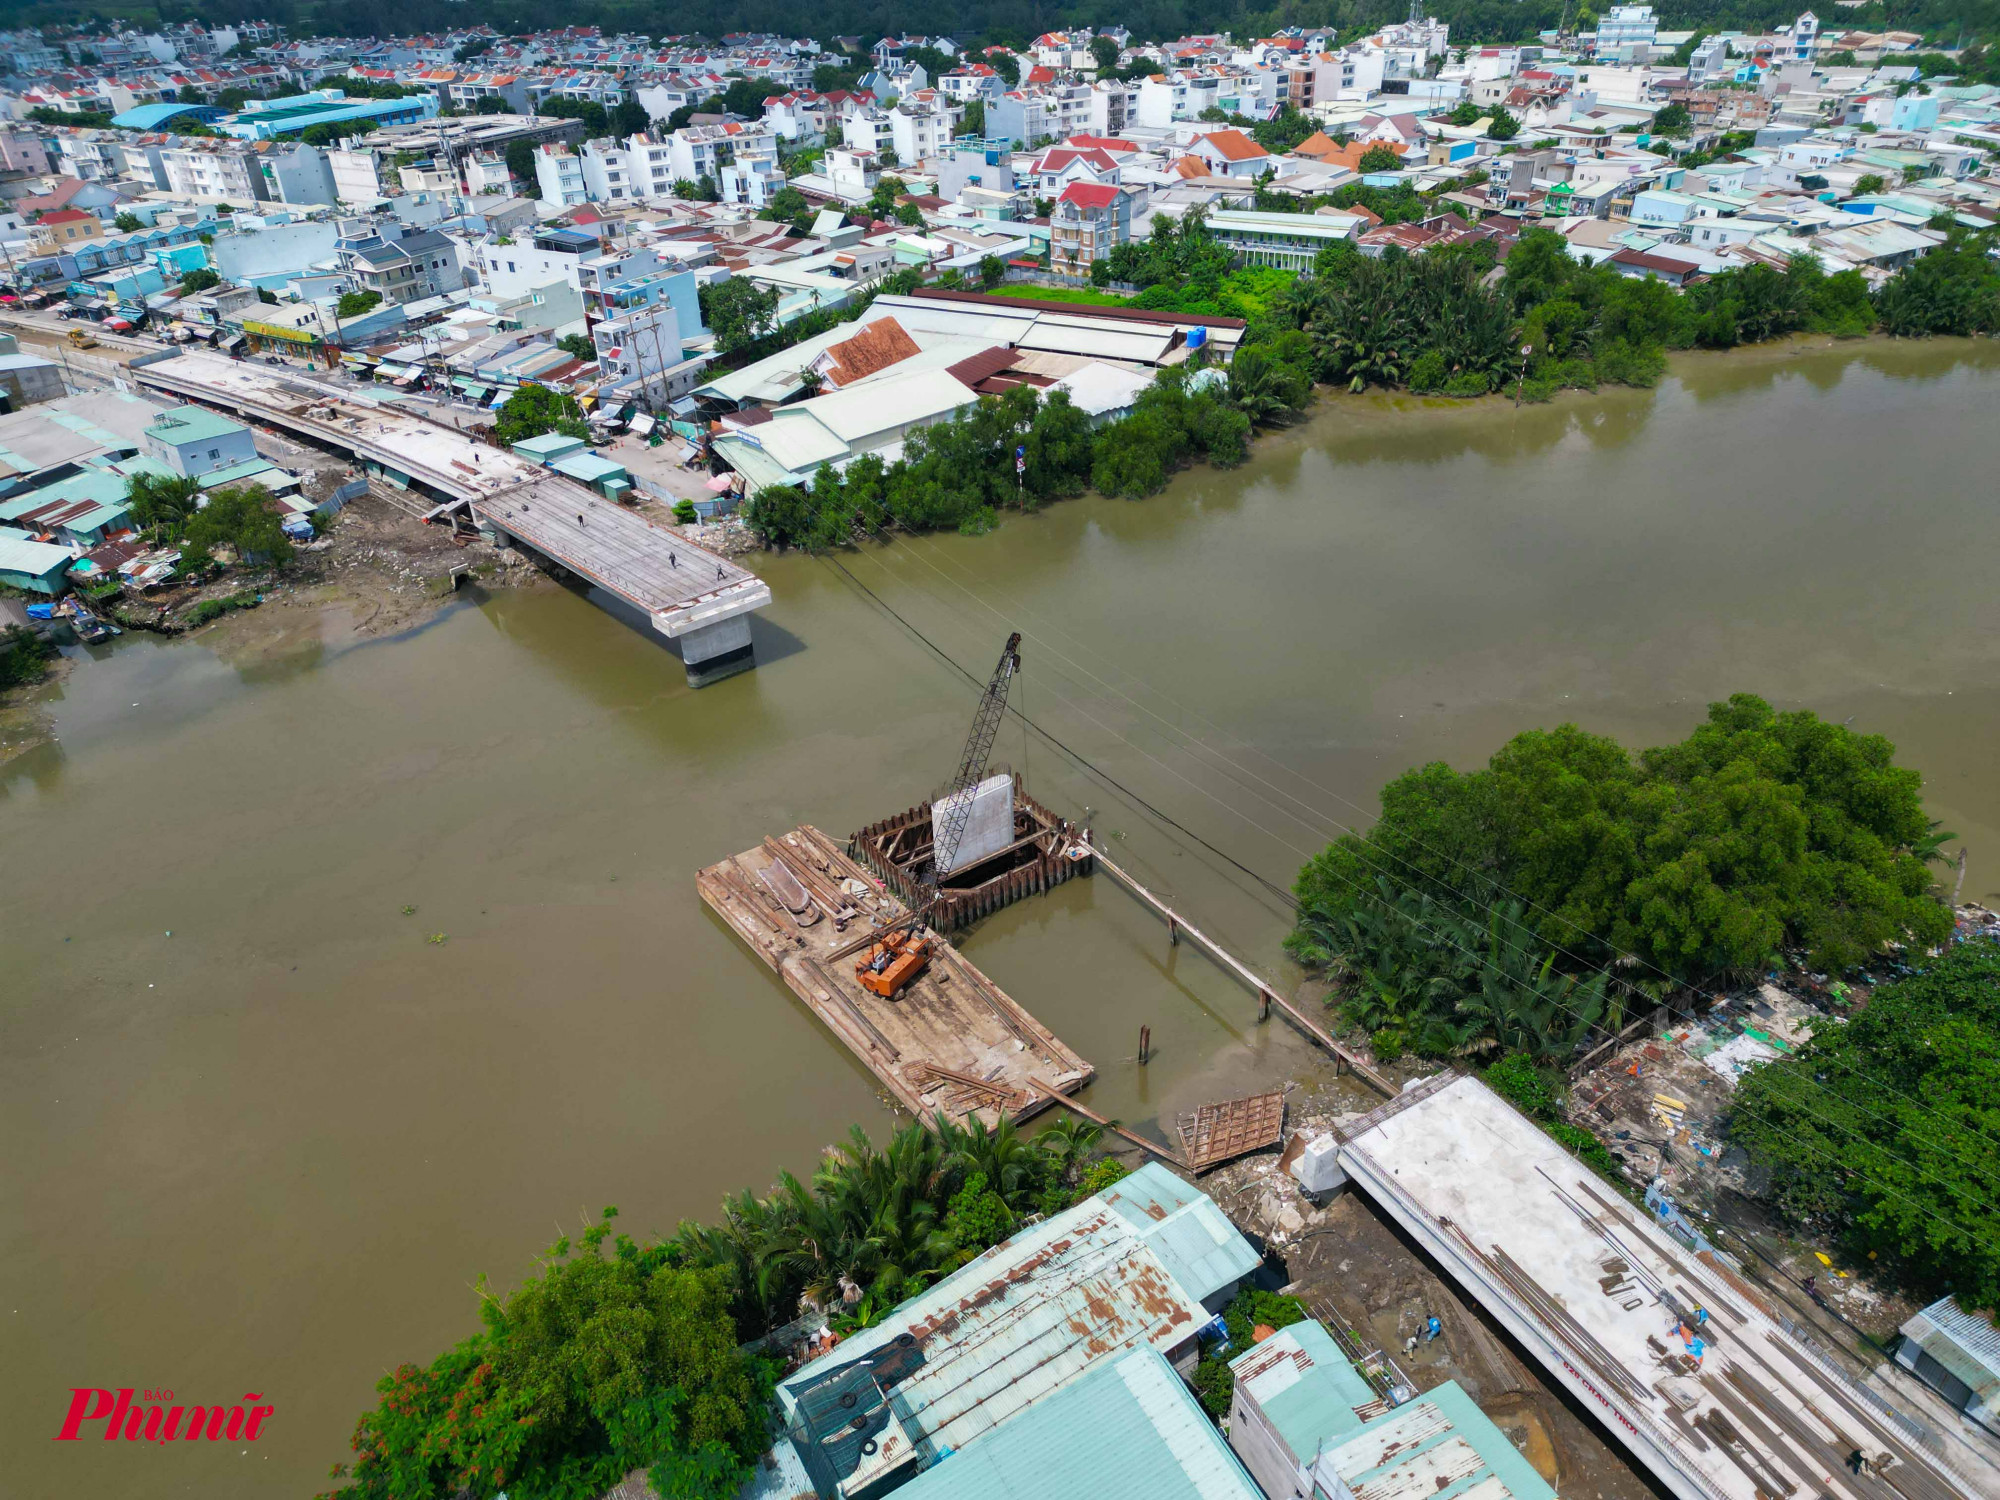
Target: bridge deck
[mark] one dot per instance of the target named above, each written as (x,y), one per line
(682,586)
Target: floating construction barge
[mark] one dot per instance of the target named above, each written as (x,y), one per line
(951,1042)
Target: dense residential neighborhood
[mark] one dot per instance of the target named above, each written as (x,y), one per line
(628,220)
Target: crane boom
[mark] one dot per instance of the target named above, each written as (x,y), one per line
(903,950)
(986,718)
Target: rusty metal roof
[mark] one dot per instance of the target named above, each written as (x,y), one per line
(1019,1323)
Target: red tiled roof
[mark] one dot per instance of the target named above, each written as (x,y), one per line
(877,346)
(1234,145)
(1089,194)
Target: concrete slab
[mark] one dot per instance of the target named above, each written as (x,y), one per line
(682,587)
(1675,1352)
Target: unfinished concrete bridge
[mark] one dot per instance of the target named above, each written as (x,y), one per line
(697,598)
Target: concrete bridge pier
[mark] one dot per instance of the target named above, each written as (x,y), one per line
(713,652)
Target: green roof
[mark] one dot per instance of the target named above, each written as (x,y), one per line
(1126,1430)
(548,445)
(237,473)
(26,558)
(1305,1386)
(190,424)
(588,468)
(100,488)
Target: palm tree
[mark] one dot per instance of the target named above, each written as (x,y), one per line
(1253,385)
(165,501)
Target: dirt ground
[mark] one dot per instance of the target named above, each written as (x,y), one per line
(1661,1102)
(1347,1262)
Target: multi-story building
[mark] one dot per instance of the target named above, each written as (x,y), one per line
(467,89)
(487,173)
(297,173)
(402,264)
(698,151)
(215,169)
(63,230)
(1021,115)
(752,180)
(1088,221)
(356,174)
(21,152)
(606,165)
(1624,29)
(921,127)
(559,176)
(973,81)
(852,173)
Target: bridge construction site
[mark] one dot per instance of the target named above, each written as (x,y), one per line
(857,930)
(696,598)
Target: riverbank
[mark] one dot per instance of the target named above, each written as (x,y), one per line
(1176,444)
(1371,590)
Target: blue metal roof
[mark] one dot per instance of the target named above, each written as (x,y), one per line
(1127,1430)
(1177,1222)
(155,116)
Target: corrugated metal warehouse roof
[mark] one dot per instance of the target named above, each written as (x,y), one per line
(1179,1223)
(1128,1430)
(1012,1328)
(1437,1447)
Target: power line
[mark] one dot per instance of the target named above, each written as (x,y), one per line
(1279,891)
(1490,908)
(1475,957)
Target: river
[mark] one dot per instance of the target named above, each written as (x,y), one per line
(264,1128)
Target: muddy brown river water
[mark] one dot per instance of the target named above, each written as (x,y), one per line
(262,1131)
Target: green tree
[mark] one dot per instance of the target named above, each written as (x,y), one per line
(162,501)
(973,122)
(738,311)
(1868,183)
(1759,832)
(245,519)
(128,223)
(199,280)
(1883,1128)
(577,346)
(1104,51)
(992,271)
(1381,159)
(521,164)
(534,410)
(1674,119)
(1265,386)
(595,121)
(628,118)
(1504,127)
(882,202)
(613,1358)
(354,304)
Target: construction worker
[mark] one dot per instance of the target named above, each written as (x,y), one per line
(1857,1461)
(1432,1329)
